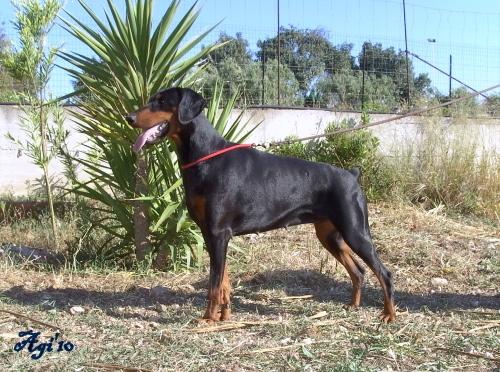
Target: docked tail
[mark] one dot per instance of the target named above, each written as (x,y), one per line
(355,172)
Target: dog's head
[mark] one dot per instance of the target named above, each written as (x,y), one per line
(165,115)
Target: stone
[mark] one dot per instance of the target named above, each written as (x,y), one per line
(439,282)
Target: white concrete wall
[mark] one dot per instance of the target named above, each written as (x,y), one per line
(16,172)
(277,124)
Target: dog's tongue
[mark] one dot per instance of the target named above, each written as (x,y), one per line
(143,138)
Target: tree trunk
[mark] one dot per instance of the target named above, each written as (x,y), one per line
(141,219)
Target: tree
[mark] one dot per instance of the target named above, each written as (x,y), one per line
(137,61)
(9,86)
(466,108)
(326,75)
(289,86)
(32,65)
(343,90)
(380,61)
(232,65)
(308,54)
(232,75)
(231,47)
(249,80)
(492,105)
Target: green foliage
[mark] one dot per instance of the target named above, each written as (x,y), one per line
(308,54)
(233,65)
(326,75)
(29,122)
(493,105)
(8,85)
(389,63)
(316,73)
(343,90)
(466,108)
(32,64)
(289,85)
(135,61)
(346,150)
(248,79)
(231,47)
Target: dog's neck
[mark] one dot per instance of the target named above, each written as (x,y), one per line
(199,139)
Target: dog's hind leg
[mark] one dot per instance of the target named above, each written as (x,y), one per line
(352,222)
(331,239)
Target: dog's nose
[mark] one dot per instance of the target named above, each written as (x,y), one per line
(131,118)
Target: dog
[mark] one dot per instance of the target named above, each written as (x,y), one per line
(234,190)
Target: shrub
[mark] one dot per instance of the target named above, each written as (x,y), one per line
(347,150)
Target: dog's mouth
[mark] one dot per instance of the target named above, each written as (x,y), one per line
(151,136)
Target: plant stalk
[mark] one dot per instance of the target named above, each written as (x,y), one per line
(46,173)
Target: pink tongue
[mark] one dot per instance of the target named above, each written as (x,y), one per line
(143,137)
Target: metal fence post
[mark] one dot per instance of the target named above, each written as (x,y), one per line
(263,78)
(279,53)
(407,62)
(363,85)
(450,80)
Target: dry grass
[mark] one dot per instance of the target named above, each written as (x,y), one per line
(449,165)
(36,232)
(147,321)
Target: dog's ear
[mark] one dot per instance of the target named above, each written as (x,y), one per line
(190,106)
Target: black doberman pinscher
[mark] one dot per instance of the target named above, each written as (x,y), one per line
(234,190)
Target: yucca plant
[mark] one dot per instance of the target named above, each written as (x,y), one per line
(139,198)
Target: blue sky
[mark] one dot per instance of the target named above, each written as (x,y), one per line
(469,30)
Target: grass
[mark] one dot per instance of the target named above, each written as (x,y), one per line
(448,165)
(147,320)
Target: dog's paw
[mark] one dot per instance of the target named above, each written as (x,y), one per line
(351,306)
(225,314)
(208,321)
(387,317)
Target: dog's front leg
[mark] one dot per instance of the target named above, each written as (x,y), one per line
(218,285)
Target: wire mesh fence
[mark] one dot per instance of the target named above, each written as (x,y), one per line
(342,55)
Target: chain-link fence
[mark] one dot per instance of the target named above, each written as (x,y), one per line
(342,55)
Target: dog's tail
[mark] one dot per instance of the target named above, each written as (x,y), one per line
(355,172)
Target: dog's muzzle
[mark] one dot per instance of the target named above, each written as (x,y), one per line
(150,136)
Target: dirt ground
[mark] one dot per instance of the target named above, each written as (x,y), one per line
(288,306)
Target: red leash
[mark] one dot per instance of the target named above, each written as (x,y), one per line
(216,153)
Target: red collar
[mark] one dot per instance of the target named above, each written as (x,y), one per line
(216,153)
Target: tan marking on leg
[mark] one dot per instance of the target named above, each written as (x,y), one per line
(225,296)
(389,313)
(344,255)
(219,300)
(212,311)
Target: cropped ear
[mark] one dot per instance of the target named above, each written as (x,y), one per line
(190,106)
